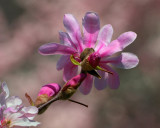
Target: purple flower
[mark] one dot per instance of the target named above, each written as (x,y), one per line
(13,113)
(73,43)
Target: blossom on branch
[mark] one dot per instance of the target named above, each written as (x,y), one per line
(93,51)
(13,113)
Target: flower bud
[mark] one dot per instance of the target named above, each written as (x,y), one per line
(90,64)
(86,53)
(94,60)
(71,86)
(90,59)
(46,93)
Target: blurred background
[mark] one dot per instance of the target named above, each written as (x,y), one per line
(27,24)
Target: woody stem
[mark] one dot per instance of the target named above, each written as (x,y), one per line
(48,103)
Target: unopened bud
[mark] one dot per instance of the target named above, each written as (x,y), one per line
(90,60)
(94,60)
(46,93)
(71,86)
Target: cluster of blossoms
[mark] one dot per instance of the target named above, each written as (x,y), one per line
(93,51)
(13,113)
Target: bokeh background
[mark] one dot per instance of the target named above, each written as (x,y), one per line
(27,24)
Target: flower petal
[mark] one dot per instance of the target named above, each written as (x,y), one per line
(55,48)
(1,114)
(24,122)
(113,79)
(104,36)
(49,89)
(14,109)
(73,29)
(126,39)
(12,116)
(118,45)
(2,99)
(5,89)
(13,101)
(125,60)
(30,109)
(102,83)
(70,70)
(91,26)
(30,112)
(86,85)
(62,62)
(17,119)
(66,40)
(110,49)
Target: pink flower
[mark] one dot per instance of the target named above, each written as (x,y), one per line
(73,43)
(13,113)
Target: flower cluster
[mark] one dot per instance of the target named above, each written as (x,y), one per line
(13,113)
(94,52)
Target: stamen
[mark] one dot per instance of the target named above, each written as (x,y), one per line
(74,61)
(5,123)
(109,72)
(102,69)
